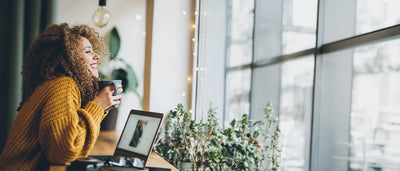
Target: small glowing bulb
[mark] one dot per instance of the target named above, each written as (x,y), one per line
(190,111)
(193,39)
(194,54)
(183,94)
(194,25)
(101,16)
(195,13)
(189,78)
(183,12)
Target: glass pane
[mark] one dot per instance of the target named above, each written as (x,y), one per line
(237,94)
(299,25)
(295,112)
(373,14)
(296,41)
(375,116)
(210,79)
(265,87)
(357,17)
(239,53)
(240,32)
(284,27)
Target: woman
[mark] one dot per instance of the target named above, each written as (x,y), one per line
(60,114)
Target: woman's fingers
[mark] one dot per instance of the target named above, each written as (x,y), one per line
(117,97)
(106,97)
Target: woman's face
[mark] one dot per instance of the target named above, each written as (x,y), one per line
(89,56)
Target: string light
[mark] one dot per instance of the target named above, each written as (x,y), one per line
(183,12)
(138,17)
(194,25)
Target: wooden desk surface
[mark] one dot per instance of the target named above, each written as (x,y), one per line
(106,144)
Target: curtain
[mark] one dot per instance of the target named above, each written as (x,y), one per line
(20,22)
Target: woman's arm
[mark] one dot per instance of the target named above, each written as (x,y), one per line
(66,131)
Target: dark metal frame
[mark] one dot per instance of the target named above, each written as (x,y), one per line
(358,40)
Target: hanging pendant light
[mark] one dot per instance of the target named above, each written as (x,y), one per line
(101,16)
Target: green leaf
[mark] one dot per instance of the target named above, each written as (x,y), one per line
(101,76)
(233,123)
(114,43)
(215,142)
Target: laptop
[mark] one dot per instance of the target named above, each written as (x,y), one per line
(136,140)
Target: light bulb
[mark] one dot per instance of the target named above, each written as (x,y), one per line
(101,16)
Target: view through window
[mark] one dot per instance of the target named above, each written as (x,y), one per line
(270,50)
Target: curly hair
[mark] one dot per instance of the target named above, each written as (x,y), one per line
(56,53)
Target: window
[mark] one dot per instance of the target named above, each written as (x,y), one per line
(295,111)
(334,88)
(375,130)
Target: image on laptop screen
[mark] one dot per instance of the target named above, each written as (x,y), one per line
(139,134)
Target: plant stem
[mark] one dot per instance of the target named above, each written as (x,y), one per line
(186,144)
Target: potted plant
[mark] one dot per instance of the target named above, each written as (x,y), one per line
(117,68)
(241,146)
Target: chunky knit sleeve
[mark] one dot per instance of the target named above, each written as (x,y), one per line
(66,131)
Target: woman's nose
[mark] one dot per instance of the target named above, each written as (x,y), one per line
(96,56)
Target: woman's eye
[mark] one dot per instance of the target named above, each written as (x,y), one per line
(88,52)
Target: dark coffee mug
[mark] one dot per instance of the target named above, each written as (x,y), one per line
(103,84)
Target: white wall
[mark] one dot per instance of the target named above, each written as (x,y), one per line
(170,52)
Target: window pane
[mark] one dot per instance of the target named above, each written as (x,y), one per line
(357,17)
(299,25)
(284,27)
(375,116)
(373,14)
(239,53)
(237,94)
(295,112)
(210,78)
(240,32)
(296,41)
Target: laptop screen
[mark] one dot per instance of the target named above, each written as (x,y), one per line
(139,134)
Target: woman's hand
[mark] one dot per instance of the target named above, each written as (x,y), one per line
(106,99)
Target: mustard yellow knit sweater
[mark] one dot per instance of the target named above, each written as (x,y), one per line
(52,128)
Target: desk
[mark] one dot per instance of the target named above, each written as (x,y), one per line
(106,144)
